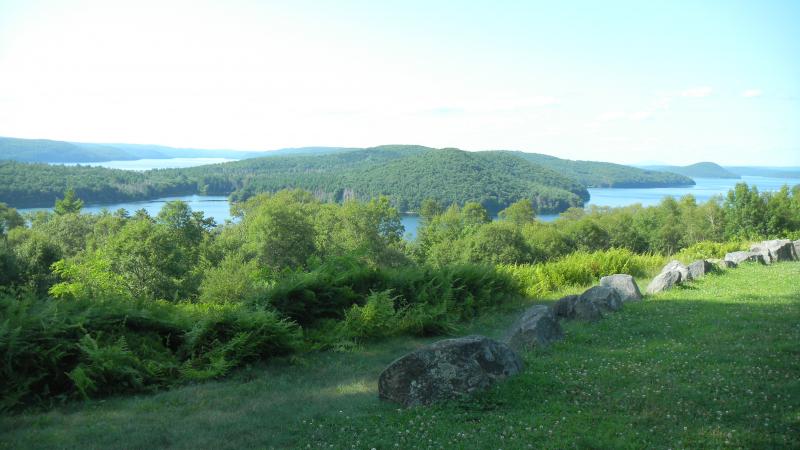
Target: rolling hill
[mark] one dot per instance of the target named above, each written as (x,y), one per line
(596,174)
(406,174)
(698,170)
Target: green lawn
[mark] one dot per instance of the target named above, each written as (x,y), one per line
(715,364)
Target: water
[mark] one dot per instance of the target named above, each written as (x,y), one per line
(703,191)
(217,207)
(148,164)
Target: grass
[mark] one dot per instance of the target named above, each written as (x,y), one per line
(714,364)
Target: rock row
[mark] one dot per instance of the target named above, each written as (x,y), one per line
(454,368)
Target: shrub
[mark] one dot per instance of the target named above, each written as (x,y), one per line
(707,250)
(55,350)
(580,269)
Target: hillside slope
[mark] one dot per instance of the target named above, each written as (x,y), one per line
(711,366)
(698,170)
(406,174)
(597,174)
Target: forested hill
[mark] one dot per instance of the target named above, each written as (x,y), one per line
(608,175)
(48,151)
(699,170)
(406,174)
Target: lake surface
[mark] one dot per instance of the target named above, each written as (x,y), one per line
(217,206)
(148,164)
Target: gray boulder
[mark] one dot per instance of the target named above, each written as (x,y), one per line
(576,307)
(723,263)
(447,369)
(607,299)
(776,250)
(699,268)
(797,248)
(537,327)
(677,266)
(664,281)
(740,257)
(624,284)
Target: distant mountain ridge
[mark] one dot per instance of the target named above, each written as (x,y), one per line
(50,151)
(595,174)
(698,170)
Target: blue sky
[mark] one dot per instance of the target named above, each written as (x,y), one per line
(677,82)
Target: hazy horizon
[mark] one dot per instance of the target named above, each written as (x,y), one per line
(623,82)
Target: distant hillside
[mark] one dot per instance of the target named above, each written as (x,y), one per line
(607,175)
(48,151)
(698,170)
(406,174)
(775,172)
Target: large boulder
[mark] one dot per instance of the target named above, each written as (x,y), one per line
(576,307)
(677,266)
(607,299)
(624,284)
(776,250)
(740,257)
(537,327)
(447,369)
(664,281)
(797,248)
(723,263)
(699,268)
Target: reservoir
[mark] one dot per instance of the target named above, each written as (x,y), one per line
(218,207)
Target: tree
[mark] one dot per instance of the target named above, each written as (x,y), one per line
(70,204)
(519,212)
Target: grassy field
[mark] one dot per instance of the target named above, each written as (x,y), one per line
(714,364)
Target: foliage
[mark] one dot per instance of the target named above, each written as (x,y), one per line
(580,269)
(55,349)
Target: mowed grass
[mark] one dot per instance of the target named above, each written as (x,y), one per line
(713,364)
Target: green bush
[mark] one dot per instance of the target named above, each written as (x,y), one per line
(708,250)
(580,269)
(54,350)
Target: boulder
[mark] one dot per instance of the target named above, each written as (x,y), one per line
(723,263)
(575,307)
(562,309)
(776,250)
(740,257)
(537,327)
(797,248)
(607,299)
(699,268)
(677,266)
(624,284)
(664,281)
(447,369)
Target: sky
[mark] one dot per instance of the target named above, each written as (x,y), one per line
(624,81)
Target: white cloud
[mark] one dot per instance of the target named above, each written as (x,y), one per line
(697,92)
(752,93)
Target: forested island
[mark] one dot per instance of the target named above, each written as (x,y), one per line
(405,174)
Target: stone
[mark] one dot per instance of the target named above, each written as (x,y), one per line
(664,281)
(537,327)
(740,257)
(607,299)
(447,369)
(678,266)
(624,284)
(563,307)
(723,264)
(776,250)
(699,268)
(797,248)
(576,307)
